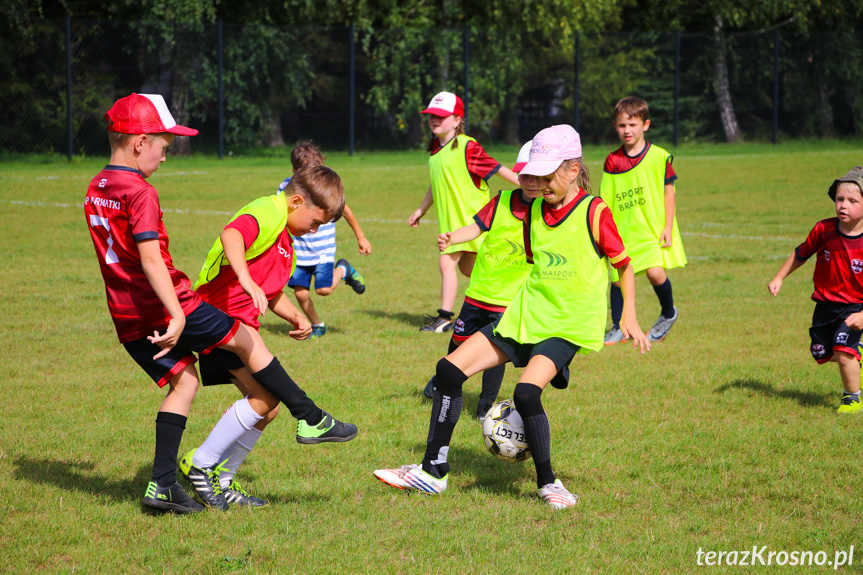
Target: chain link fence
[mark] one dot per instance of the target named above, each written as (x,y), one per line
(248,86)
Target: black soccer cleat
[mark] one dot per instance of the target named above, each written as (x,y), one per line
(173,498)
(205,482)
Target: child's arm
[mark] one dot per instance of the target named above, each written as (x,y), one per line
(362,242)
(628,322)
(508,175)
(791,264)
(235,252)
(160,280)
(665,237)
(460,236)
(282,307)
(414,220)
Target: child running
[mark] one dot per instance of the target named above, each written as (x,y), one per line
(837,321)
(559,311)
(638,186)
(317,252)
(158,318)
(244,275)
(460,170)
(500,270)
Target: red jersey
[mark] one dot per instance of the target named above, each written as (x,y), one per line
(618,162)
(123,209)
(517,206)
(271,271)
(607,240)
(839,263)
(480,165)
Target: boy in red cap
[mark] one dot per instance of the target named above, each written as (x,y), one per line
(837,322)
(459,170)
(159,319)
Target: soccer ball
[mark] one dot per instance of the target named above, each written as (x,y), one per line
(503,431)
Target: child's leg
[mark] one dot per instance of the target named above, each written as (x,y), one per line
(170,424)
(339,272)
(449,281)
(527,399)
(474,355)
(304,300)
(466,263)
(662,286)
(616,297)
(849,369)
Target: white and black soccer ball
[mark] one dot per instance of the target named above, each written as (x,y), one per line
(503,431)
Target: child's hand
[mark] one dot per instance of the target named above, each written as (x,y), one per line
(631,329)
(259,298)
(855,320)
(443,240)
(776,285)
(303,328)
(365,246)
(414,220)
(665,238)
(169,339)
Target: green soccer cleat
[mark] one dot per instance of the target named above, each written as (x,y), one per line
(352,277)
(318,331)
(328,430)
(849,406)
(205,482)
(173,498)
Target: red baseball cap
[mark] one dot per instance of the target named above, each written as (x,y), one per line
(144,114)
(445,104)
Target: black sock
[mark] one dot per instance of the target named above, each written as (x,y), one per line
(666,298)
(277,381)
(528,401)
(445,314)
(169,433)
(491,380)
(616,296)
(446,408)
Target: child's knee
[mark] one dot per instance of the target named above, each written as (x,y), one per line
(527,398)
(324,291)
(656,276)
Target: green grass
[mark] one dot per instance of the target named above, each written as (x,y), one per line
(723,437)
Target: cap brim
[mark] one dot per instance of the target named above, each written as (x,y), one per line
(538,168)
(519,167)
(437,112)
(182,131)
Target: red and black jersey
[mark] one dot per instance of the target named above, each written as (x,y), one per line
(123,209)
(838,275)
(618,162)
(480,165)
(517,206)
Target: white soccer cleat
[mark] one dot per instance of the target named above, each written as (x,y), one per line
(412,477)
(556,495)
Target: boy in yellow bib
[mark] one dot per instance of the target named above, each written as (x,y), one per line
(559,311)
(638,186)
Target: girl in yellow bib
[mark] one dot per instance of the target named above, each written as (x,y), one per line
(559,311)
(459,170)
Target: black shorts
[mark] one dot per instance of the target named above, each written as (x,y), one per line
(829,332)
(207,328)
(557,349)
(470,319)
(216,366)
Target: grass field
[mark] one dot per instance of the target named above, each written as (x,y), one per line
(723,438)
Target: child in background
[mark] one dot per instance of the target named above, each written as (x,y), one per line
(638,186)
(555,314)
(459,170)
(317,252)
(500,270)
(837,320)
(244,275)
(147,295)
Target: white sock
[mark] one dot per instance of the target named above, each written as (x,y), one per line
(233,424)
(236,454)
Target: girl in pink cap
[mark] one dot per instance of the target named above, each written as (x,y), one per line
(558,312)
(460,170)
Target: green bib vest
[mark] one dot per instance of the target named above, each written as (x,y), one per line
(456,197)
(271,213)
(565,292)
(501,265)
(637,202)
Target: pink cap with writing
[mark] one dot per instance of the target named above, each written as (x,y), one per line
(550,148)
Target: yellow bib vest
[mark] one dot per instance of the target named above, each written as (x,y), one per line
(271,213)
(565,292)
(456,197)
(637,202)
(501,265)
